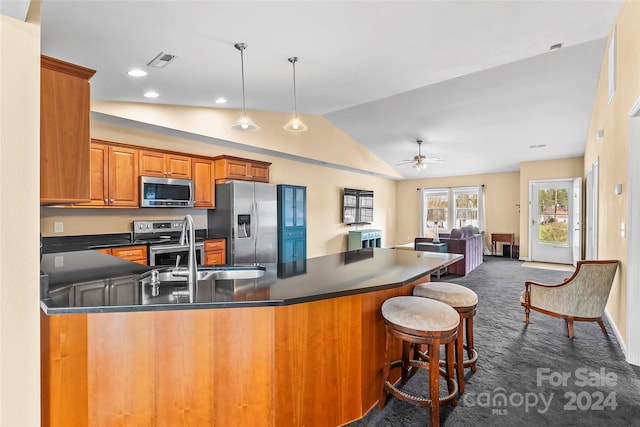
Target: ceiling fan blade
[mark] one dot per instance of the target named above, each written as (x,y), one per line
(433,160)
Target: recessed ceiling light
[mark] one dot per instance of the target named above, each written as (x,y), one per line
(555,47)
(136,72)
(221,100)
(151,94)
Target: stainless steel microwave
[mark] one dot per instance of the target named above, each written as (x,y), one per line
(165,192)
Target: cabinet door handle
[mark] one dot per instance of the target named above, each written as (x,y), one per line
(106,201)
(111,201)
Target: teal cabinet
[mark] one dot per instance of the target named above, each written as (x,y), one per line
(361,239)
(292,223)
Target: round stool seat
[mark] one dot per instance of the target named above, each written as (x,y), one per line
(448,293)
(420,314)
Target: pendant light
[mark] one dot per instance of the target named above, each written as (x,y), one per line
(244,122)
(295,124)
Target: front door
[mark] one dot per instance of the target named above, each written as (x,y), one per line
(577,220)
(552,221)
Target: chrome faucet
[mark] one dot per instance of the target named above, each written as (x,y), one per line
(188,236)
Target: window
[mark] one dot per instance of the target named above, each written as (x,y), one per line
(436,206)
(466,206)
(447,208)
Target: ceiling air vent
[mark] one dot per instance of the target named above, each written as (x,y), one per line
(161,60)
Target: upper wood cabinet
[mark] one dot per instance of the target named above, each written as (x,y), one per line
(203,173)
(114,175)
(228,167)
(64,132)
(157,163)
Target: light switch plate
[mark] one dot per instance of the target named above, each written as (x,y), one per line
(623,229)
(58,227)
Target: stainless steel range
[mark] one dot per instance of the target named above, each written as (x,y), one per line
(162,238)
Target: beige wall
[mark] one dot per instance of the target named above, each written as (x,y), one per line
(325,231)
(20,187)
(501,196)
(536,171)
(611,152)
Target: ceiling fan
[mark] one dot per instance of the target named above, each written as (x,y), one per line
(419,162)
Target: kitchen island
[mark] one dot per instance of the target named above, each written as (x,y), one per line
(302,345)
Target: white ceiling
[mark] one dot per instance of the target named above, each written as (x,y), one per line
(474,79)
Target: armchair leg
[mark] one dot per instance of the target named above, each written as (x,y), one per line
(526,315)
(570,327)
(601,323)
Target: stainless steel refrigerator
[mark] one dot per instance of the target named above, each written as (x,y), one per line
(246,215)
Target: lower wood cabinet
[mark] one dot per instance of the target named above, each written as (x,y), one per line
(137,254)
(215,252)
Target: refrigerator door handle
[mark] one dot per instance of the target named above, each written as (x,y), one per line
(256,220)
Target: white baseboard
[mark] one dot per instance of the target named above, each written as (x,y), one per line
(617,333)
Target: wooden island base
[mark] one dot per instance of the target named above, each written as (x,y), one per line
(312,364)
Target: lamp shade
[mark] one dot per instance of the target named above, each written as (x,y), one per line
(295,124)
(244,123)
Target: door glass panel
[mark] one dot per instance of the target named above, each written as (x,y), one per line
(288,207)
(553,216)
(300,207)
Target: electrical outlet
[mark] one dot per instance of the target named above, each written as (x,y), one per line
(623,229)
(58,261)
(58,227)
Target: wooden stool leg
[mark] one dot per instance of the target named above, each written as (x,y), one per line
(460,357)
(451,370)
(385,370)
(406,355)
(434,383)
(469,331)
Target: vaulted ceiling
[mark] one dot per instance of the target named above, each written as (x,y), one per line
(474,79)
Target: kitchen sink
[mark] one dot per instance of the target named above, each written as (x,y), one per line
(168,285)
(171,275)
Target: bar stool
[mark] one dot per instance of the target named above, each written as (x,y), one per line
(464,301)
(420,321)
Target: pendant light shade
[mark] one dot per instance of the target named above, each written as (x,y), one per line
(295,124)
(244,122)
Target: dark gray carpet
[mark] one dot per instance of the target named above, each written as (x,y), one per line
(600,389)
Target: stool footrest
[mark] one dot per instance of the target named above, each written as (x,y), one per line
(452,385)
(467,363)
(471,361)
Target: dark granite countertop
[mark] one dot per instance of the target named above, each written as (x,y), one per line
(56,244)
(66,268)
(325,277)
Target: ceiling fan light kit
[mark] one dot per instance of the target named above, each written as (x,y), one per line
(295,124)
(421,162)
(244,122)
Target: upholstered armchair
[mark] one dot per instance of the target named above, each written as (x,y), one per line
(582,297)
